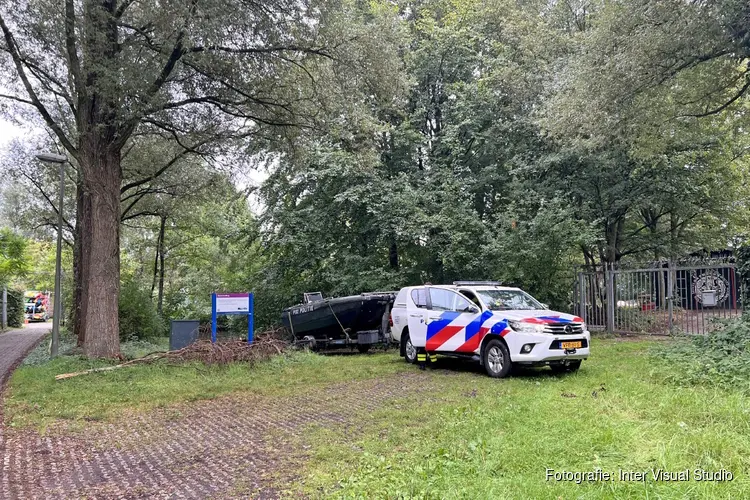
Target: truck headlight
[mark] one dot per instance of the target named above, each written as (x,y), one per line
(520,326)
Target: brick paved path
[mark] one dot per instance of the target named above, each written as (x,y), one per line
(237,446)
(14,344)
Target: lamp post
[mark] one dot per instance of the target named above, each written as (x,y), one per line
(60,160)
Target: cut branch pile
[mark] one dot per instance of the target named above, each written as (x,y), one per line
(265,345)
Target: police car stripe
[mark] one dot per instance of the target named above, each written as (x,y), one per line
(472,341)
(440,338)
(435,327)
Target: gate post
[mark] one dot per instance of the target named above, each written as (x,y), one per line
(581,296)
(610,297)
(670,295)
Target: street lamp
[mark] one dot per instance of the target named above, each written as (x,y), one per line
(60,160)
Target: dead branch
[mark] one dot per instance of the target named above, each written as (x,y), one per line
(266,345)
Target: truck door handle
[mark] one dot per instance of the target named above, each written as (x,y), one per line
(415,315)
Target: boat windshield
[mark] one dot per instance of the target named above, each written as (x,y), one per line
(504,300)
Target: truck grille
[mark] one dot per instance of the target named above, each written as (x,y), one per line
(564,328)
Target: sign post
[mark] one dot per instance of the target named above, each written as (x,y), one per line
(232,303)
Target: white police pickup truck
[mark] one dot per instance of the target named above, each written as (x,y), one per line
(497,325)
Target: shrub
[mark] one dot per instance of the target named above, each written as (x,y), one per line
(635,320)
(743,272)
(721,357)
(138,316)
(68,347)
(15,307)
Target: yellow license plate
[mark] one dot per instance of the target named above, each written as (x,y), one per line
(570,345)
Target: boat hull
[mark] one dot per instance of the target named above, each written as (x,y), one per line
(338,319)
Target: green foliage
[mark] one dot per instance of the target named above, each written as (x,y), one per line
(16,307)
(634,319)
(442,140)
(138,316)
(721,357)
(13,261)
(446,189)
(41,353)
(742,255)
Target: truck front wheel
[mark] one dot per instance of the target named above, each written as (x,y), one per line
(496,359)
(410,352)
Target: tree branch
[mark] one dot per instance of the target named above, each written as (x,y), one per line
(46,80)
(139,214)
(122,8)
(723,106)
(14,98)
(177,51)
(161,170)
(70,46)
(17,60)
(124,216)
(46,197)
(262,50)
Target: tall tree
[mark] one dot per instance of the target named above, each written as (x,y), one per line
(13,259)
(100,71)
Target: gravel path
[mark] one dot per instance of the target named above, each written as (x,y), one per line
(15,344)
(236,446)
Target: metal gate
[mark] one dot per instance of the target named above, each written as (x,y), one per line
(658,298)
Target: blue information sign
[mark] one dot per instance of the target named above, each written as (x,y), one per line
(232,303)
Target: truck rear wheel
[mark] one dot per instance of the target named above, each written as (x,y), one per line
(496,359)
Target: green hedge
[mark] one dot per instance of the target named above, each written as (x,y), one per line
(138,316)
(743,272)
(15,308)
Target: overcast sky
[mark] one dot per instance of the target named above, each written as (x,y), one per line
(8,132)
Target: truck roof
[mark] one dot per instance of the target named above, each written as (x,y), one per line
(470,287)
(483,287)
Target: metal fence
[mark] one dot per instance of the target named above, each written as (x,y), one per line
(658,298)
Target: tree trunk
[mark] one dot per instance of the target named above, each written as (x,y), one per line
(156,259)
(393,255)
(78,281)
(160,301)
(673,235)
(100,244)
(99,150)
(613,229)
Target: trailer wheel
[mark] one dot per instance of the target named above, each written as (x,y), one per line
(410,352)
(363,348)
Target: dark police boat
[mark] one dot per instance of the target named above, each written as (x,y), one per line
(357,320)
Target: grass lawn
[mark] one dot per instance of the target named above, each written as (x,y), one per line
(484,438)
(469,437)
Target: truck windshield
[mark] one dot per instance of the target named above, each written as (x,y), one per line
(504,300)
